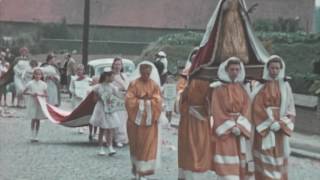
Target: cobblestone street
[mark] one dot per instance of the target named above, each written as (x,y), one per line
(63,154)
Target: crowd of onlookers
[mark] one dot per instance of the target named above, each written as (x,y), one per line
(65,69)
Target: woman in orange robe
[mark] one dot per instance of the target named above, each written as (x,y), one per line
(143,103)
(194,139)
(183,79)
(232,126)
(273,115)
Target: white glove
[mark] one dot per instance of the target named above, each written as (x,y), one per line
(275,126)
(236,131)
(141,105)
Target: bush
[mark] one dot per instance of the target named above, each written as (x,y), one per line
(55,30)
(177,47)
(279,25)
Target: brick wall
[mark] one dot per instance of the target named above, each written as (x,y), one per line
(190,14)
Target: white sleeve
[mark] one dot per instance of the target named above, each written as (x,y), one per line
(291,110)
(28,85)
(72,86)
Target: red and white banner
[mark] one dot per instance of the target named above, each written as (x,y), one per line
(80,116)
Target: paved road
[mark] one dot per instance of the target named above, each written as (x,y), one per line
(63,154)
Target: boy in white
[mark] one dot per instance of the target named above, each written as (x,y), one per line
(79,88)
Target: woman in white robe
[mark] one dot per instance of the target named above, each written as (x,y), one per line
(121,81)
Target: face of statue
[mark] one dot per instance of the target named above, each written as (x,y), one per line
(233,71)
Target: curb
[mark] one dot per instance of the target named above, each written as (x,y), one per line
(298,149)
(304,154)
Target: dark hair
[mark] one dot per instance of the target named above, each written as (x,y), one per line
(114,61)
(103,76)
(33,62)
(49,57)
(231,62)
(275,60)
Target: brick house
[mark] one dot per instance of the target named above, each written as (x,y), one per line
(163,14)
(136,21)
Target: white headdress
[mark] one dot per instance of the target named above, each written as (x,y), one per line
(162,54)
(154,73)
(223,74)
(107,69)
(266,75)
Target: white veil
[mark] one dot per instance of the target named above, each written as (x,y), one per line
(223,74)
(154,73)
(155,77)
(281,75)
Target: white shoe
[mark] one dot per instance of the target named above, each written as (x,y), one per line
(119,145)
(80,130)
(111,151)
(101,152)
(142,178)
(33,137)
(36,139)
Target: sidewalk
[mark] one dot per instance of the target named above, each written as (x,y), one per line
(302,145)
(307,146)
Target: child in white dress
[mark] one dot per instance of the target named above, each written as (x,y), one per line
(104,115)
(35,88)
(79,88)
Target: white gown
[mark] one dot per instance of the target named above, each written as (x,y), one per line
(34,110)
(121,81)
(104,115)
(53,89)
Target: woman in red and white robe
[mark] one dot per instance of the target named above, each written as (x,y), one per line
(273,115)
(232,129)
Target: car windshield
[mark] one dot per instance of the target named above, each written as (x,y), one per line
(128,68)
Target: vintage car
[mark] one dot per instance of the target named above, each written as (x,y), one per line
(97,66)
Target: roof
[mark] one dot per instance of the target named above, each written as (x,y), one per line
(181,14)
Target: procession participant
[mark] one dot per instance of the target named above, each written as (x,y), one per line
(121,81)
(79,89)
(194,136)
(35,88)
(29,71)
(232,126)
(3,89)
(70,68)
(79,86)
(161,64)
(273,116)
(52,78)
(10,88)
(183,78)
(20,67)
(143,103)
(104,115)
(169,96)
(93,129)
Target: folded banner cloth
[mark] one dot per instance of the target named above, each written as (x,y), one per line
(78,117)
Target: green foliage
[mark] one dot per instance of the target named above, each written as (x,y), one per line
(304,83)
(289,38)
(317,19)
(177,47)
(55,30)
(299,50)
(279,25)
